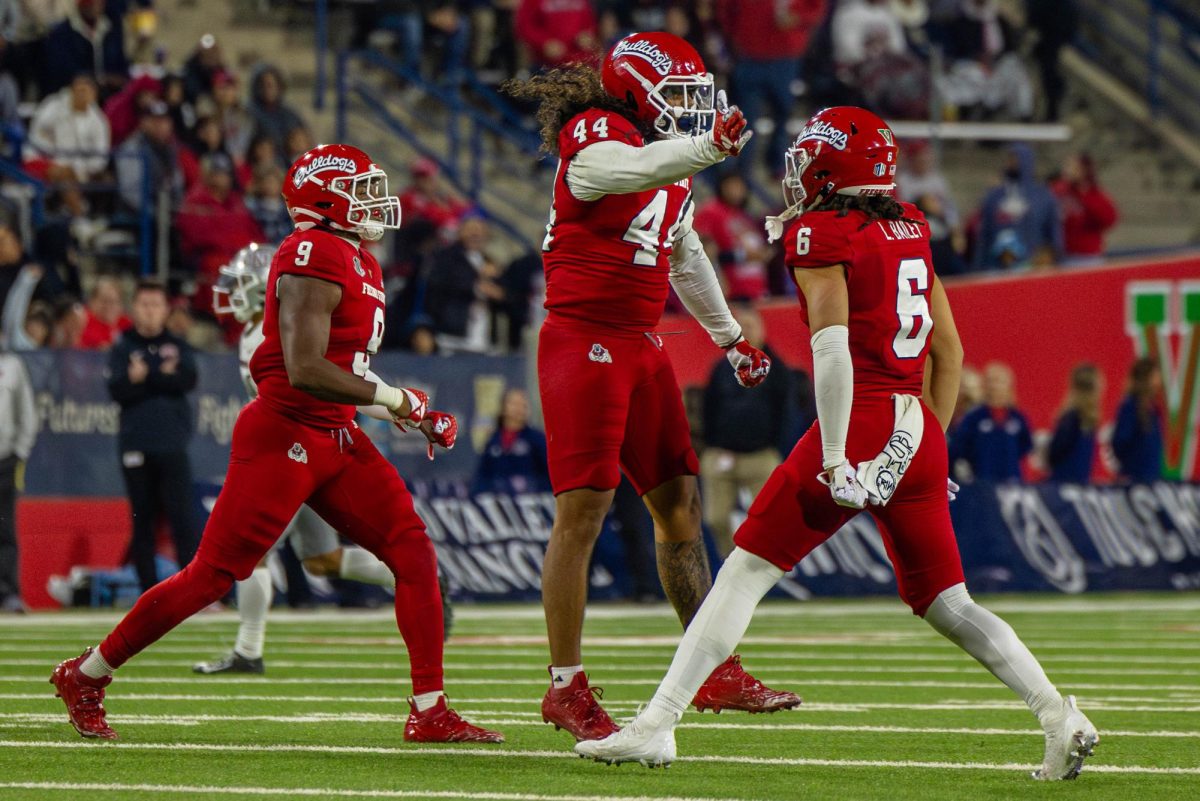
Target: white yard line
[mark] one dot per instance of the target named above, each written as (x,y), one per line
(193,789)
(510,753)
(534,719)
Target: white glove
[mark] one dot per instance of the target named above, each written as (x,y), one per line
(843,486)
(952,489)
(880,476)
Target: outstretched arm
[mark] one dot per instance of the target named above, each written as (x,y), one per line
(615,168)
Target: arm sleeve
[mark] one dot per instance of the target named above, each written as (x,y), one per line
(16,306)
(833,380)
(27,419)
(616,168)
(696,283)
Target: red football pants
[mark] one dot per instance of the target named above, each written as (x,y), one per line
(275,466)
(794,513)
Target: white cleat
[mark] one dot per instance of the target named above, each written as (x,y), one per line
(653,748)
(1070,739)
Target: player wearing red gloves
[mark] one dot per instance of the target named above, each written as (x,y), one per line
(629,140)
(297,443)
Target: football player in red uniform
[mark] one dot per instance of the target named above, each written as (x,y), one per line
(629,140)
(877,314)
(297,443)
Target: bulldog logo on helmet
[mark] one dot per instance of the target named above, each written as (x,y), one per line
(824,132)
(321,164)
(648,51)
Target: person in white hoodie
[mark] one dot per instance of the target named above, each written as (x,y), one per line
(18,430)
(69,141)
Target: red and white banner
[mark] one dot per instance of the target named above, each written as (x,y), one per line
(1042,325)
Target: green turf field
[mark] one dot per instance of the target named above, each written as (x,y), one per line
(891,711)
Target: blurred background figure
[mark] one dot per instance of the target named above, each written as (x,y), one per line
(734,239)
(993,438)
(1137,440)
(1019,221)
(463,290)
(69,141)
(1086,210)
(106,317)
(987,78)
(1072,449)
(514,458)
(556,33)
(742,433)
(18,431)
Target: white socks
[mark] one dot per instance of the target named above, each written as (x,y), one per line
(713,634)
(94,667)
(993,642)
(427,700)
(359,564)
(561,676)
(254,597)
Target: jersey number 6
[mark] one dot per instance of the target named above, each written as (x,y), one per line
(912,309)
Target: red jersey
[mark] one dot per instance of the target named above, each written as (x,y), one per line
(889,275)
(607,260)
(355,330)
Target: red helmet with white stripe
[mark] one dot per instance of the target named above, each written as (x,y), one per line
(663,79)
(339,186)
(844,150)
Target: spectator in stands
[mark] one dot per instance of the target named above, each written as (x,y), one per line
(735,240)
(871,54)
(433,25)
(740,457)
(70,318)
(262,153)
(203,66)
(297,142)
(431,198)
(1087,211)
(19,282)
(986,78)
(557,32)
(1137,440)
(126,108)
(970,395)
(86,41)
(265,203)
(1019,216)
(153,149)
(226,107)
(462,289)
(69,141)
(919,181)
(768,39)
(183,113)
(514,458)
(1056,25)
(150,373)
(213,222)
(1073,447)
(913,15)
(420,338)
(520,281)
(18,431)
(205,139)
(272,116)
(993,438)
(106,318)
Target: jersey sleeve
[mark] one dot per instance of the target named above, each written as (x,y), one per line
(594,126)
(313,254)
(817,240)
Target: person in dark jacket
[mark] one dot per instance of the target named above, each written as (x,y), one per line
(1137,440)
(1073,446)
(993,438)
(514,459)
(1022,211)
(463,290)
(742,432)
(150,374)
(87,41)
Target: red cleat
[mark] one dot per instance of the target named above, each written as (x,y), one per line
(731,687)
(576,709)
(84,697)
(441,724)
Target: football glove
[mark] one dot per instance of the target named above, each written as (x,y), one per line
(418,408)
(730,132)
(749,363)
(441,429)
(952,489)
(843,486)
(881,475)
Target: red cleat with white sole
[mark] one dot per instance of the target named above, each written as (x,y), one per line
(576,709)
(441,724)
(731,687)
(84,697)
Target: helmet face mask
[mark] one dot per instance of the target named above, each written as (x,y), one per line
(684,104)
(370,209)
(241,287)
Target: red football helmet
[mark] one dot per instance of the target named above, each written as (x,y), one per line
(844,150)
(339,186)
(663,79)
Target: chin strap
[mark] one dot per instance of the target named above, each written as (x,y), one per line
(774,225)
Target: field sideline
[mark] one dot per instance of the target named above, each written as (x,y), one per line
(891,710)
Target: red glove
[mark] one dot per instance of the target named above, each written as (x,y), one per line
(440,428)
(750,363)
(418,408)
(729,128)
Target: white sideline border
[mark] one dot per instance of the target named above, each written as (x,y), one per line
(510,752)
(195,789)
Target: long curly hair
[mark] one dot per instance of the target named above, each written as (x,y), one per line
(563,93)
(875,207)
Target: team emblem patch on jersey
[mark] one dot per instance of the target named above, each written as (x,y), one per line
(600,354)
(358,268)
(298,454)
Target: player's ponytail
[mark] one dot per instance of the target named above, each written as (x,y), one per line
(875,207)
(563,93)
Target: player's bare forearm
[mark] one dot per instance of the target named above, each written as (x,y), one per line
(945,358)
(685,576)
(305,309)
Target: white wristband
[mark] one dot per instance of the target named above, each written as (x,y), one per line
(390,398)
